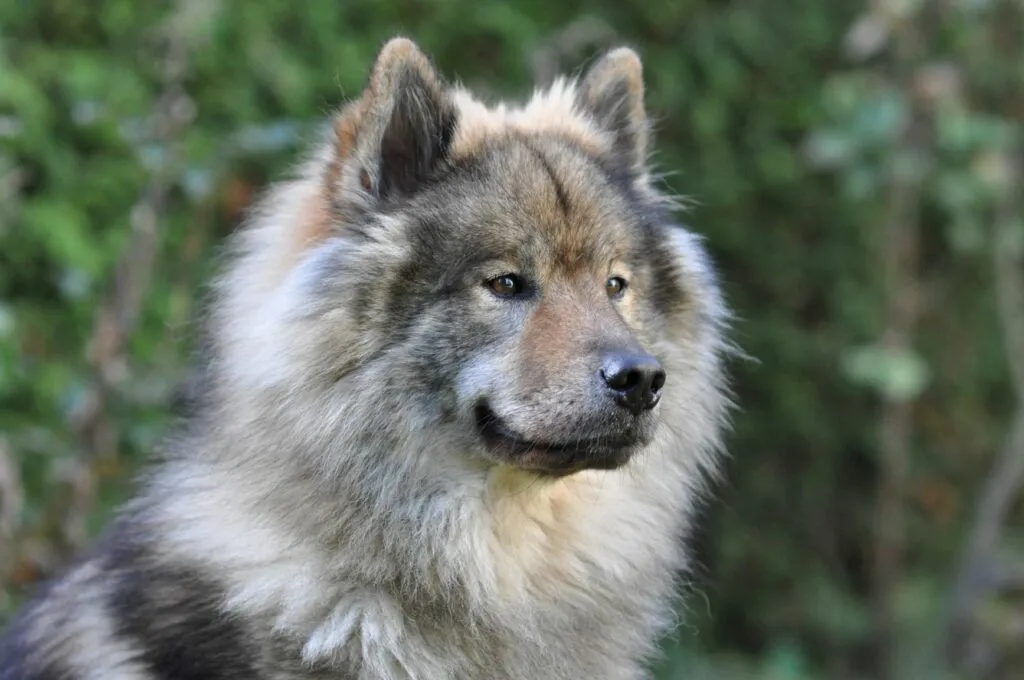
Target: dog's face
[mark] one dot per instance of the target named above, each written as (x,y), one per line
(529,287)
(511,270)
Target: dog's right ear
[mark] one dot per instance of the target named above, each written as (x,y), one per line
(612,91)
(389,141)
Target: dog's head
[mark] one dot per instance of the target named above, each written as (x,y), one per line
(508,272)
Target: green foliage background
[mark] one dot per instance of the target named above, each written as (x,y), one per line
(786,146)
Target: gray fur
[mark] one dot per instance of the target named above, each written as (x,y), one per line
(332,509)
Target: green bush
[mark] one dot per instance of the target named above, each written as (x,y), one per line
(783,145)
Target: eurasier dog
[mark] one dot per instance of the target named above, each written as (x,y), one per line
(463,385)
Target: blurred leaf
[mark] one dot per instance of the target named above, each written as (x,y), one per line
(960,131)
(868,35)
(880,118)
(1010,235)
(63,229)
(829,148)
(896,376)
(966,234)
(785,661)
(7,321)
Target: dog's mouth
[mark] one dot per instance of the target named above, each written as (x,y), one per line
(558,458)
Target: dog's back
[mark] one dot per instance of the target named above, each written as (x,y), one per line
(463,384)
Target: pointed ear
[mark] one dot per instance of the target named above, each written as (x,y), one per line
(612,91)
(402,127)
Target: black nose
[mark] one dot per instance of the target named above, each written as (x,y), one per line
(635,379)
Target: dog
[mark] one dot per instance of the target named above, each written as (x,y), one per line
(463,384)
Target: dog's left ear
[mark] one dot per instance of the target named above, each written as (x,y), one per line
(403,125)
(612,91)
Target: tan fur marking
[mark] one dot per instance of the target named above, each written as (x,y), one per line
(555,333)
(552,111)
(546,343)
(398,54)
(312,225)
(346,130)
(534,521)
(620,64)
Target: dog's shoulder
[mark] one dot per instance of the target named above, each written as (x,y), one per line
(127,611)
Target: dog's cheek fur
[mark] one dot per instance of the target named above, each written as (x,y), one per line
(691,299)
(446,337)
(326,317)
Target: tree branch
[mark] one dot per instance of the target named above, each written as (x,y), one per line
(900,243)
(117,317)
(1007,474)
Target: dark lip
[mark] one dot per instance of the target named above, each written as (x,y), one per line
(553,458)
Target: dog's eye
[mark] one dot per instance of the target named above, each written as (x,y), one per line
(615,286)
(506,285)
